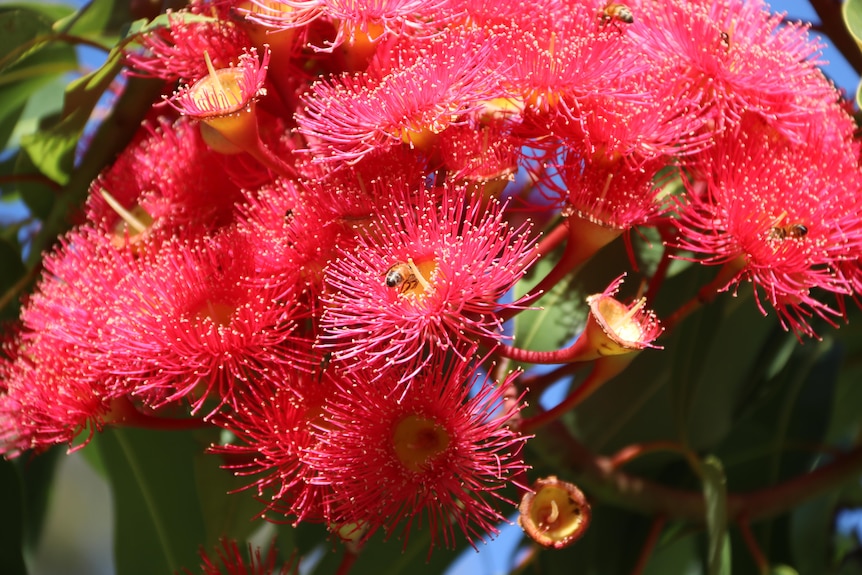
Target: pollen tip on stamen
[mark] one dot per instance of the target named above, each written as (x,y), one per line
(426,285)
(125,214)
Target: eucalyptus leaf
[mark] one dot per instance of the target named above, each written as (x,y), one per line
(158,520)
(392,557)
(228,510)
(811,527)
(783,570)
(851,10)
(679,555)
(715,495)
(38,194)
(53,150)
(12,524)
(97,18)
(37,474)
(53,11)
(544,328)
(144,26)
(20,32)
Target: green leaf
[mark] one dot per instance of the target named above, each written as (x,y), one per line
(783,570)
(37,474)
(674,556)
(689,354)
(53,12)
(19,28)
(93,18)
(13,270)
(12,524)
(811,526)
(225,513)
(38,194)
(383,557)
(144,26)
(715,494)
(546,328)
(159,526)
(53,150)
(851,10)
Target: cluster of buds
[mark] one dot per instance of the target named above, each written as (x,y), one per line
(313,239)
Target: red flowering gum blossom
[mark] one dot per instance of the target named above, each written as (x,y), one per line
(737,57)
(552,59)
(430,452)
(233,561)
(170,180)
(60,372)
(425,278)
(274,427)
(411,102)
(193,326)
(357,22)
(785,217)
(174,52)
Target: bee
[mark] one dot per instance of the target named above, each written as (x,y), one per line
(790,231)
(615,12)
(401,276)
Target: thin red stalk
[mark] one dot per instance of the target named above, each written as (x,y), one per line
(565,355)
(604,369)
(546,245)
(704,295)
(128,415)
(658,277)
(632,452)
(536,384)
(649,544)
(598,475)
(753,547)
(347,561)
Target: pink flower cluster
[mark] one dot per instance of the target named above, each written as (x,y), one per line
(315,244)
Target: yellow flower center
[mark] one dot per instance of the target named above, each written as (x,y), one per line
(418,440)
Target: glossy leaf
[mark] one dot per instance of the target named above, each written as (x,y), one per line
(811,528)
(546,328)
(226,512)
(159,525)
(13,271)
(851,10)
(164,20)
(96,18)
(52,150)
(715,494)
(37,473)
(676,555)
(21,32)
(12,524)
(392,557)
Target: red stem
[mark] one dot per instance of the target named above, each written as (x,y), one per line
(547,244)
(565,355)
(631,452)
(604,369)
(347,561)
(649,544)
(753,547)
(598,475)
(124,413)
